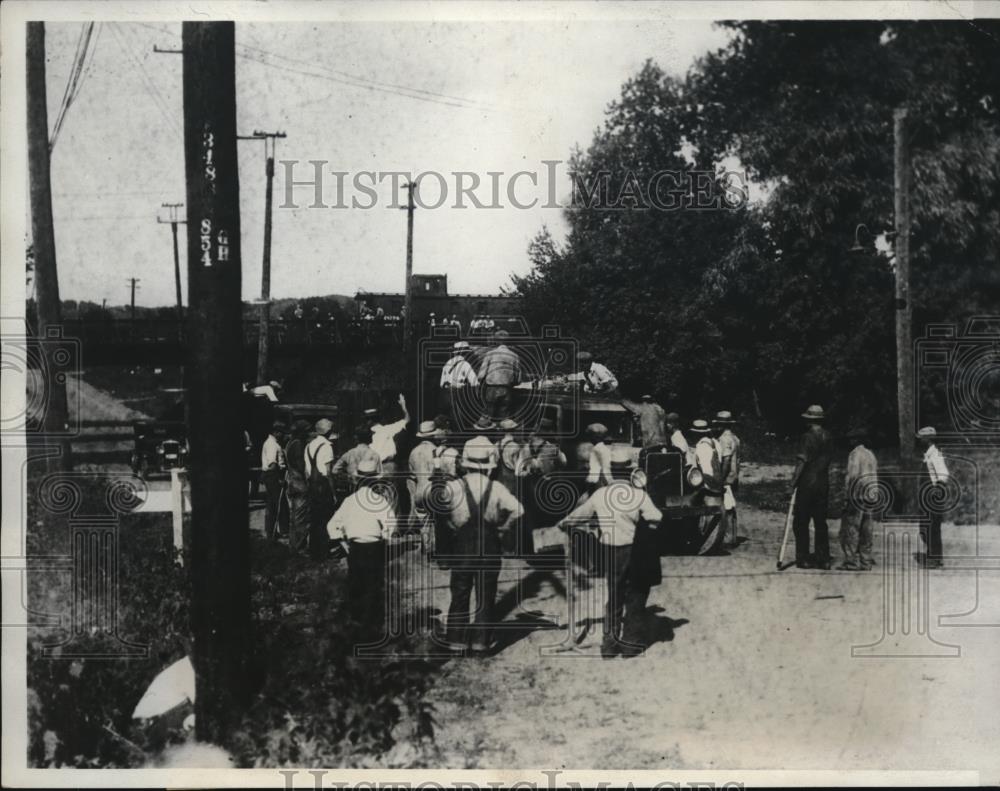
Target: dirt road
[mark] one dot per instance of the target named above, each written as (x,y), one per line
(749,668)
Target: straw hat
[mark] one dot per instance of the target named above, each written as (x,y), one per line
(427,429)
(724,418)
(927,432)
(461,346)
(479,454)
(509,424)
(484,424)
(700,427)
(814,412)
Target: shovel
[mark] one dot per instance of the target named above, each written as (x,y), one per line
(788,527)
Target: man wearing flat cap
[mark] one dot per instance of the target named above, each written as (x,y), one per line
(811,485)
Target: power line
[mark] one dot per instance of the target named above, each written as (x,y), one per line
(345,78)
(75,80)
(154,93)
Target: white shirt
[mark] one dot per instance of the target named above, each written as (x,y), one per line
(618,508)
(270,453)
(265,390)
(708,456)
(323,450)
(600,378)
(936,467)
(364,516)
(457,372)
(384,438)
(678,441)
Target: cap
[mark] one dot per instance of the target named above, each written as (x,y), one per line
(927,432)
(484,424)
(324,426)
(673,417)
(460,345)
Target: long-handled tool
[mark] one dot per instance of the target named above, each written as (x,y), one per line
(788,527)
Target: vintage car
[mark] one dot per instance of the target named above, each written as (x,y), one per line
(159,446)
(692,516)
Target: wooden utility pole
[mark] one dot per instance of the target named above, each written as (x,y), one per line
(46,279)
(264,329)
(220,561)
(408,289)
(904,306)
(174,220)
(132,281)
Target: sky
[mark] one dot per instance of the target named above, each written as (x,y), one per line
(380,96)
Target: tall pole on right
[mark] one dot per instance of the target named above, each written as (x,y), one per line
(903,303)
(408,292)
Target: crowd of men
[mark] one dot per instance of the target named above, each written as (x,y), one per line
(471,499)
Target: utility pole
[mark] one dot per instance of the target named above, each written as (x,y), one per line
(264,328)
(174,220)
(410,187)
(46,278)
(220,559)
(904,306)
(133,281)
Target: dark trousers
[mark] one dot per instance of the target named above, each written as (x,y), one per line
(626,604)
(321,508)
(497,398)
(463,581)
(272,503)
(366,562)
(930,534)
(811,505)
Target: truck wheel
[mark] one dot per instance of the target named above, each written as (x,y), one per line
(711,533)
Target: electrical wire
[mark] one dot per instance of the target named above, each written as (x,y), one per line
(75,80)
(153,92)
(263,56)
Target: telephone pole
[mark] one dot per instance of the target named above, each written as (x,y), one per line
(220,548)
(133,281)
(173,219)
(270,143)
(904,306)
(410,187)
(46,279)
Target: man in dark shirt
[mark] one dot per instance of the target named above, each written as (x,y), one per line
(811,484)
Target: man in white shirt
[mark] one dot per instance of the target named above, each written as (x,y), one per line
(272,465)
(384,437)
(625,516)
(320,489)
(933,474)
(597,378)
(677,438)
(456,375)
(363,524)
(707,456)
(599,458)
(479,512)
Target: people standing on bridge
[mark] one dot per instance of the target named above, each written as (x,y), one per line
(348,463)
(597,378)
(652,423)
(729,453)
(322,498)
(860,478)
(458,380)
(272,465)
(934,476)
(296,486)
(626,517)
(363,524)
(479,512)
(499,372)
(811,485)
